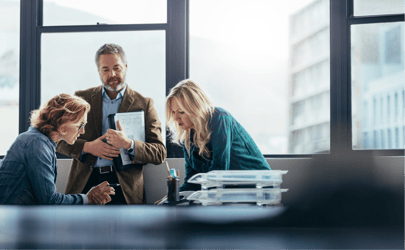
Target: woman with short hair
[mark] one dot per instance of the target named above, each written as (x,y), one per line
(28,171)
(211,137)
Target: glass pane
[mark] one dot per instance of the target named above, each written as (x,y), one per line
(268,65)
(9,72)
(91,12)
(378,82)
(68,65)
(378,7)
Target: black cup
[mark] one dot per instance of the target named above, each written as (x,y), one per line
(173,189)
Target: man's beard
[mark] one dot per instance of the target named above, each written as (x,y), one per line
(121,84)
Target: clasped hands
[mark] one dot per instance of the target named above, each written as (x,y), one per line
(100,194)
(116,139)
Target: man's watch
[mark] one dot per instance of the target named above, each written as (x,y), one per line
(130,149)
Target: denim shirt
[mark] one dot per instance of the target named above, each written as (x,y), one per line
(230,146)
(28,173)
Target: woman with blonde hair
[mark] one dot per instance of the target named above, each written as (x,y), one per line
(211,138)
(28,170)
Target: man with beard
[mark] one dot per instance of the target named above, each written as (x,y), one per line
(93,152)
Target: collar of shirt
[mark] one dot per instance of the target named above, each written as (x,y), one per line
(36,131)
(119,96)
(109,107)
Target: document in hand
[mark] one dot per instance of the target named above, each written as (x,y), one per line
(133,124)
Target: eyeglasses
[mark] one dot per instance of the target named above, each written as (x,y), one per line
(82,126)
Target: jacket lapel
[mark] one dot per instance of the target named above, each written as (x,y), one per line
(127,101)
(97,106)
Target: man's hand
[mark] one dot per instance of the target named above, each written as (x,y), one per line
(118,138)
(101,149)
(100,194)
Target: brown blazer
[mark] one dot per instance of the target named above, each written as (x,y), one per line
(151,151)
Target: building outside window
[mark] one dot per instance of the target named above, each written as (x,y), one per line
(379,80)
(392,45)
(309,52)
(9,72)
(268,66)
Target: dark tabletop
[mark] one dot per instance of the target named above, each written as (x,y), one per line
(196,227)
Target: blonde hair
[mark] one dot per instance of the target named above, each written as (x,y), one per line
(57,111)
(197,105)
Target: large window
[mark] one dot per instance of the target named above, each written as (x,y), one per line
(9,72)
(90,12)
(268,65)
(74,54)
(377,7)
(377,67)
(60,40)
(302,76)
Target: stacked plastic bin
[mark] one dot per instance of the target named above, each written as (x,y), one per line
(261,187)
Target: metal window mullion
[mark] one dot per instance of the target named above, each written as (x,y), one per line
(176,57)
(187,37)
(376,19)
(349,8)
(381,152)
(102,28)
(340,101)
(40,12)
(176,43)
(29,86)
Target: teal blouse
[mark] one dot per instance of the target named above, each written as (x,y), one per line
(231,147)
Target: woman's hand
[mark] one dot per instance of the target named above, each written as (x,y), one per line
(100,194)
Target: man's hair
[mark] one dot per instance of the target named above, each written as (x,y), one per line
(195,103)
(57,111)
(110,49)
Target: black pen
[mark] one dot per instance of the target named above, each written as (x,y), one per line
(114,185)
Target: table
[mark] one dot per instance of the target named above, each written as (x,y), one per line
(195,227)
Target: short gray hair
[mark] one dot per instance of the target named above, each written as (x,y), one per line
(110,49)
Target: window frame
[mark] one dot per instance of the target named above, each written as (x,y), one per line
(177,65)
(30,51)
(342,18)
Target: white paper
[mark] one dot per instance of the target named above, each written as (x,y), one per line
(133,125)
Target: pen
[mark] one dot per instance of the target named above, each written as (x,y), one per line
(168,170)
(114,185)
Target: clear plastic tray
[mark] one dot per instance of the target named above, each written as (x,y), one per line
(219,178)
(260,196)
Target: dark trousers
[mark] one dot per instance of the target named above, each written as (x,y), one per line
(97,178)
